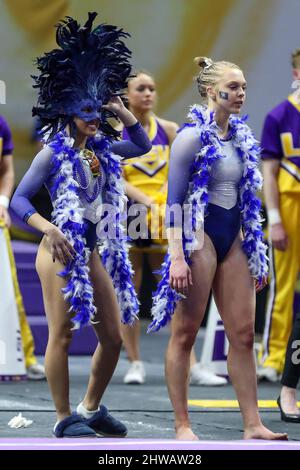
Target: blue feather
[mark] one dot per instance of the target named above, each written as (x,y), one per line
(78,289)
(88,67)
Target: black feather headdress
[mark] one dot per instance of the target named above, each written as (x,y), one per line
(76,79)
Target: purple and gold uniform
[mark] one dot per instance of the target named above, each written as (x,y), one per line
(281,140)
(149,173)
(6,148)
(6,144)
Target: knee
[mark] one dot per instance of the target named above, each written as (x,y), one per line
(185,339)
(242,337)
(62,337)
(113,342)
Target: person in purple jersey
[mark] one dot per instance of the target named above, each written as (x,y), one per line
(34,370)
(146,183)
(79,84)
(281,166)
(6,170)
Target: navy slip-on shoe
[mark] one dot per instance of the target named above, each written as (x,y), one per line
(73,426)
(105,425)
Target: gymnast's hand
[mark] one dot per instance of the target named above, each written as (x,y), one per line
(60,248)
(180,276)
(115,105)
(260,286)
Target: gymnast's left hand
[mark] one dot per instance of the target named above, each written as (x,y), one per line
(260,286)
(60,248)
(180,276)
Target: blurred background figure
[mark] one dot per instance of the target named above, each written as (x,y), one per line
(287,400)
(281,169)
(34,370)
(146,183)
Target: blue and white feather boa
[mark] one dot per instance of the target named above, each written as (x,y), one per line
(166,298)
(114,251)
(68,216)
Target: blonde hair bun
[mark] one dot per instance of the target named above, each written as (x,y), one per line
(210,72)
(203,62)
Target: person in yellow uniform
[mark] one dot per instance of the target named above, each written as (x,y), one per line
(146,183)
(281,167)
(34,370)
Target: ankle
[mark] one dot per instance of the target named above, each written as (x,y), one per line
(182,425)
(60,416)
(87,408)
(253,424)
(91,407)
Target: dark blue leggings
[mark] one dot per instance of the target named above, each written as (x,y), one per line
(222,226)
(291,371)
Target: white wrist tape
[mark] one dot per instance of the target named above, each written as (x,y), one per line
(4,201)
(274,217)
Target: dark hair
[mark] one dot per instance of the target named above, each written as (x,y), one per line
(138,72)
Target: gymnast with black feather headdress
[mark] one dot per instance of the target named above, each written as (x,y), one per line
(79,87)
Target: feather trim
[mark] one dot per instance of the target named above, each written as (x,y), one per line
(68,216)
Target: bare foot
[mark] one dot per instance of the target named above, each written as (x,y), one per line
(186,434)
(261,432)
